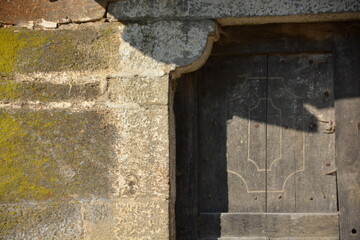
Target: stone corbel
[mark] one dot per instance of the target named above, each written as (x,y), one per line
(166,47)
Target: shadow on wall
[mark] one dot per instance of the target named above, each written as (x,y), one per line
(280,91)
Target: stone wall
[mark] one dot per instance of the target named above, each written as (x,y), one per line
(85,137)
(86,126)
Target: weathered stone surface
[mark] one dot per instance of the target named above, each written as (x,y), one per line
(99,220)
(210,9)
(78,49)
(155,49)
(12,90)
(135,9)
(36,221)
(52,155)
(140,90)
(142,219)
(251,8)
(63,11)
(142,151)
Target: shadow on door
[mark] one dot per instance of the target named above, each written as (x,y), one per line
(255,131)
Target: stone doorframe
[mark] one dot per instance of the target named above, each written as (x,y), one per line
(179,47)
(159,41)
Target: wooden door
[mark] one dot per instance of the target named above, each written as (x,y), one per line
(266,147)
(256,142)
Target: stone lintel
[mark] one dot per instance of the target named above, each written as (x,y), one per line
(214,9)
(64,11)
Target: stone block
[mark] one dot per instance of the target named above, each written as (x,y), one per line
(99,220)
(268,8)
(127,10)
(12,90)
(143,151)
(81,49)
(38,221)
(63,11)
(139,90)
(212,9)
(55,154)
(142,219)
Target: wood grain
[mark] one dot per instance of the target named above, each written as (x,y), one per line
(347,108)
(246,135)
(301,86)
(274,38)
(185,109)
(271,225)
(213,185)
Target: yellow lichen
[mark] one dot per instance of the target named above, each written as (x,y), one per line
(12,42)
(21,175)
(9,90)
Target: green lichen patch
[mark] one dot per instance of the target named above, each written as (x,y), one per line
(11,90)
(26,51)
(54,154)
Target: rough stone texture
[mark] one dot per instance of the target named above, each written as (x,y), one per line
(38,221)
(12,90)
(142,219)
(49,155)
(99,220)
(88,144)
(143,152)
(63,11)
(81,49)
(143,9)
(210,9)
(155,49)
(139,90)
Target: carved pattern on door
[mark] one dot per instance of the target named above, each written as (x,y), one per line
(275,112)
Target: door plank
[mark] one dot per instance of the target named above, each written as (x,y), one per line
(266,238)
(347,105)
(271,225)
(185,109)
(246,132)
(213,185)
(301,87)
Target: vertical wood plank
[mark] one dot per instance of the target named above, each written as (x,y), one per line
(185,109)
(213,186)
(347,108)
(300,86)
(316,186)
(284,150)
(246,132)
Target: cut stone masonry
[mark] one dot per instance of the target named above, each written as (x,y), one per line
(86,123)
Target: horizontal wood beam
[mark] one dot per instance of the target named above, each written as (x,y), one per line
(270,225)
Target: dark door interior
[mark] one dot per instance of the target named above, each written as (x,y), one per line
(256,139)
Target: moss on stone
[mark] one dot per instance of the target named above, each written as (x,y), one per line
(12,42)
(22,175)
(12,90)
(39,220)
(51,154)
(9,90)
(25,51)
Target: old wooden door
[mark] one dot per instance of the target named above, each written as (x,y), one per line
(266,147)
(257,129)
